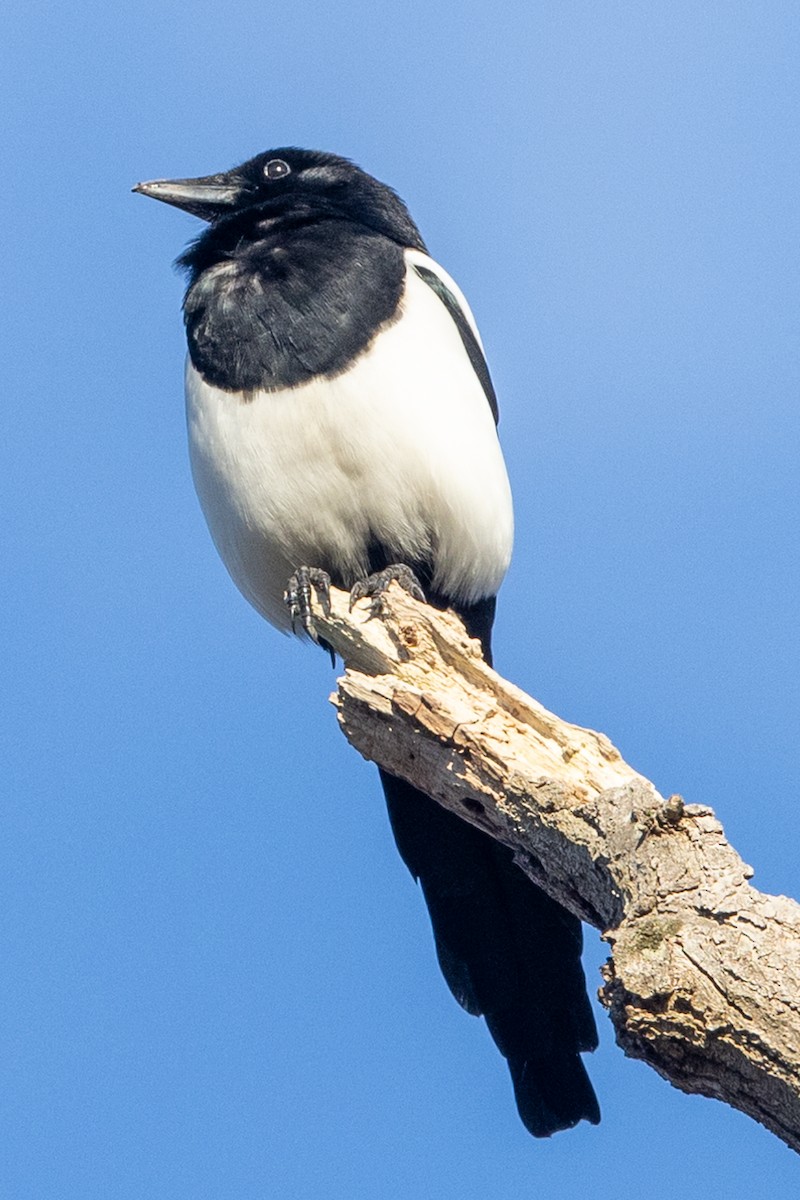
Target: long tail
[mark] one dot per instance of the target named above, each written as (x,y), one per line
(507,951)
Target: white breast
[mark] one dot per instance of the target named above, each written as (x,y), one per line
(401,448)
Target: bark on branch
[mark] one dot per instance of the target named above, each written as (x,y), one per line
(704,979)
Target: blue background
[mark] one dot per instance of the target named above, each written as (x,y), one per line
(217,977)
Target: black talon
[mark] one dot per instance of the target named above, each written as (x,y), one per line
(375,585)
(323,645)
(298,599)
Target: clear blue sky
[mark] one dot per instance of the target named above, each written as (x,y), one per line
(217,977)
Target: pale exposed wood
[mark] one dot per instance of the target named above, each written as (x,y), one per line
(704,978)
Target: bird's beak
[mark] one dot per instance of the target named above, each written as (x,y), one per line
(209,197)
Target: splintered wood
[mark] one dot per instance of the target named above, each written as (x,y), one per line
(703,982)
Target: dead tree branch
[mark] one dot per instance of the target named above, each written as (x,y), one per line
(704,979)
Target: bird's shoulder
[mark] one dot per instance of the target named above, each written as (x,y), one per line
(449,293)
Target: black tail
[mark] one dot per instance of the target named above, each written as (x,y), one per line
(506,949)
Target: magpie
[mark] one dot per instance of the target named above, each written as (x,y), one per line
(342,429)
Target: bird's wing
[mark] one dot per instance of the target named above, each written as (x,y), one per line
(455,302)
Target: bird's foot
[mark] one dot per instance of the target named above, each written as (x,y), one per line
(297,598)
(375,586)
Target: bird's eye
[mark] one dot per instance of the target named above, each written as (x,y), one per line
(276,168)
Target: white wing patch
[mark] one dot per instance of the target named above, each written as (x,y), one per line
(418,259)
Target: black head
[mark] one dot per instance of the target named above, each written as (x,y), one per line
(290,180)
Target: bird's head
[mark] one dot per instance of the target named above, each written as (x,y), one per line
(290,180)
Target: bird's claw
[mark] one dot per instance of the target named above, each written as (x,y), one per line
(297,598)
(375,585)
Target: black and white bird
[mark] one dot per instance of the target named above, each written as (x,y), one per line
(342,426)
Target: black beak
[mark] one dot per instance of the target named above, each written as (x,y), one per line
(209,197)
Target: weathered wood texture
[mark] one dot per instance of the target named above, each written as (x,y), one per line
(704,979)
